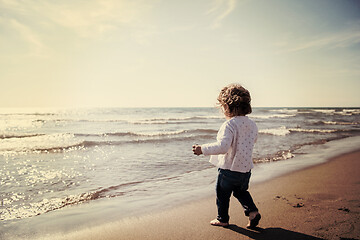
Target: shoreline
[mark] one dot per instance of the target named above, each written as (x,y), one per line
(315,155)
(305,204)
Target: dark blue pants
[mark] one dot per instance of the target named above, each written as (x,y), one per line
(237,183)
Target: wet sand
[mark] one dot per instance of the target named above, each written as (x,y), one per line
(320,202)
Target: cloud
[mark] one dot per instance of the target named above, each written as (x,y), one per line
(33,39)
(343,39)
(42,28)
(221,8)
(85,18)
(93,17)
(16,32)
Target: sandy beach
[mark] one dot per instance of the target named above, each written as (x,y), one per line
(320,202)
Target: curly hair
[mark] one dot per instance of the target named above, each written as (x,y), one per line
(235,100)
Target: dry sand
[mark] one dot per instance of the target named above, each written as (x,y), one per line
(321,202)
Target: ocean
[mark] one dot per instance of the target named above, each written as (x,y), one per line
(119,162)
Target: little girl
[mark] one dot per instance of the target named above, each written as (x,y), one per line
(232,154)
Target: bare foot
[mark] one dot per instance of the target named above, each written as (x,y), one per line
(216,222)
(254,219)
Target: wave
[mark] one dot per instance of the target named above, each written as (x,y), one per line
(163,133)
(194,119)
(314,130)
(331,112)
(353,111)
(41,143)
(289,153)
(148,134)
(47,205)
(183,118)
(334,123)
(19,124)
(13,135)
(272,116)
(14,211)
(283,131)
(285,110)
(326,111)
(274,113)
(343,112)
(27,114)
(141,141)
(44,143)
(280,155)
(134,134)
(141,121)
(210,135)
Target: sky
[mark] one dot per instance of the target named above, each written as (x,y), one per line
(178,53)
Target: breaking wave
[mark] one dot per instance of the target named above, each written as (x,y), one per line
(282,131)
(280,155)
(43,143)
(47,205)
(39,143)
(273,116)
(13,135)
(186,120)
(335,123)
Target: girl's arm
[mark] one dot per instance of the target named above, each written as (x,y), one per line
(221,146)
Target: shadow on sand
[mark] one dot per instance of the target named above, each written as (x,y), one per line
(271,233)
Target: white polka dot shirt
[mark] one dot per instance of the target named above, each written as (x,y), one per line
(234,146)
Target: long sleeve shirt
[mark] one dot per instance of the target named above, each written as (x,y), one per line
(234,146)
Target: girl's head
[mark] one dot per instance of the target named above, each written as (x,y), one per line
(235,100)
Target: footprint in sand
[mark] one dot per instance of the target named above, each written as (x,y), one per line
(295,205)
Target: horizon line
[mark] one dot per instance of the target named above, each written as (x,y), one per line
(84,107)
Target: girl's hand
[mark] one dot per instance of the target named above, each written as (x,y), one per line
(197,149)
